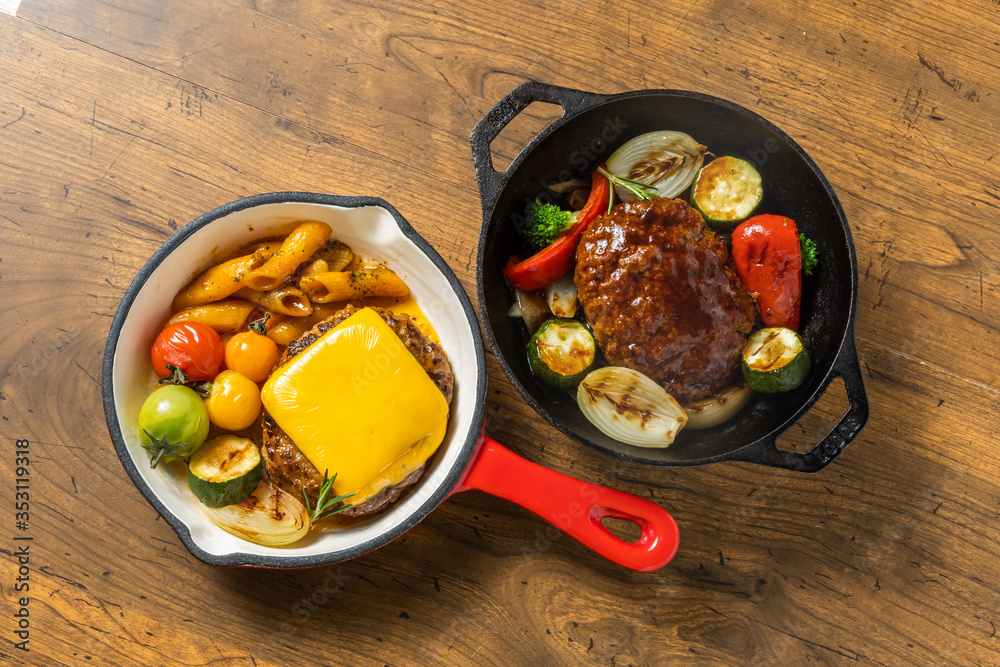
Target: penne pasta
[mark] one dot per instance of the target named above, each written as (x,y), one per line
(291,328)
(319,266)
(284,300)
(337,256)
(223,316)
(353,285)
(222,280)
(273,245)
(299,246)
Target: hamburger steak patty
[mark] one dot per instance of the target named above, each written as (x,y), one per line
(657,286)
(286,465)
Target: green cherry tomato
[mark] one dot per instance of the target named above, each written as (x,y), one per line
(173,422)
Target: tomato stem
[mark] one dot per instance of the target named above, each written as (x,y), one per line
(260,326)
(177,376)
(162,447)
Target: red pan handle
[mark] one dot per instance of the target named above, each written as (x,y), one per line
(576,507)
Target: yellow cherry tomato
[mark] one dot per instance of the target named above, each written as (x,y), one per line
(251,353)
(234,402)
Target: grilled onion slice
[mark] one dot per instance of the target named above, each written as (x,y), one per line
(666,160)
(531,307)
(627,406)
(562,296)
(269,516)
(720,408)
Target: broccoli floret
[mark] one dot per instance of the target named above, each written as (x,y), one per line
(809,257)
(545,223)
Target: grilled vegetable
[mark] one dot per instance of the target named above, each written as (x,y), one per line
(575,192)
(810,257)
(173,422)
(775,360)
(718,409)
(269,517)
(628,406)
(668,161)
(726,191)
(561,353)
(768,259)
(531,307)
(562,296)
(545,223)
(224,471)
(550,264)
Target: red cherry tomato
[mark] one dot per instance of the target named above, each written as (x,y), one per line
(768,259)
(194,348)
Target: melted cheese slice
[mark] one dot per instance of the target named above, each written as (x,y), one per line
(358,404)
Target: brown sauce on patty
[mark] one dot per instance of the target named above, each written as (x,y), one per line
(658,288)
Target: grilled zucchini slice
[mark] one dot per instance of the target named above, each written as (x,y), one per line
(775,360)
(726,191)
(562,352)
(225,470)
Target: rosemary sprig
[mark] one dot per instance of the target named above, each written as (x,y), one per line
(634,182)
(629,184)
(324,504)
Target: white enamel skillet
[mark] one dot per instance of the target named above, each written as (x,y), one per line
(467,459)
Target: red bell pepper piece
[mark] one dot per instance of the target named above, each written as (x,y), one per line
(768,258)
(554,261)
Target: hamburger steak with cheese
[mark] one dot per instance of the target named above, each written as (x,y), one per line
(657,286)
(286,465)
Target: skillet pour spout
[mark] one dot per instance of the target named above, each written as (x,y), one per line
(591,128)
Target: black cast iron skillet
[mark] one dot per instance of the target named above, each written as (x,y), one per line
(591,128)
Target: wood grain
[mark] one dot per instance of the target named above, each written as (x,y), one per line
(909,84)
(121,121)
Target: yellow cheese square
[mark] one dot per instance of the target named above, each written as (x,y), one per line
(356,402)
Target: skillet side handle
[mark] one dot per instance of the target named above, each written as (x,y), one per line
(503,112)
(848,367)
(576,507)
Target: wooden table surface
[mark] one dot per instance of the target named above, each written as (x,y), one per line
(122,120)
